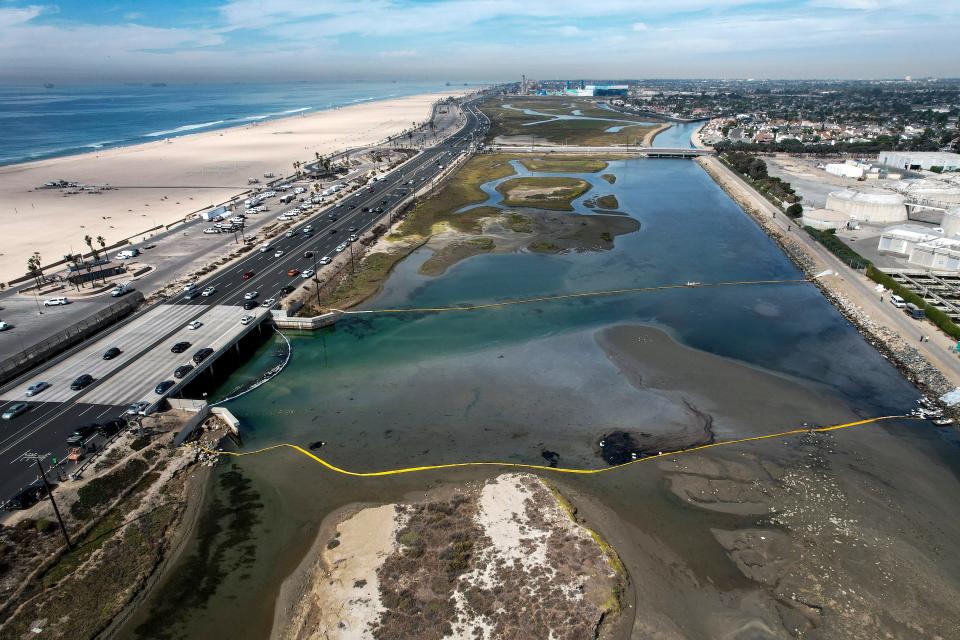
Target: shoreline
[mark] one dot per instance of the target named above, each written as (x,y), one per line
(160,182)
(653,133)
(911,364)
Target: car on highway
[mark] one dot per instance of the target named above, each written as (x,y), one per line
(182,370)
(291,233)
(5,326)
(246,319)
(25,498)
(111,353)
(250,295)
(81,382)
(287,290)
(352,229)
(180,347)
(308,228)
(307,274)
(333,231)
(278,254)
(14,410)
(190,295)
(111,427)
(37,387)
(136,408)
(340,247)
(326,260)
(293,272)
(248,274)
(209,291)
(163,387)
(268,303)
(81,434)
(202,354)
(193,326)
(190,286)
(56,302)
(249,304)
(266,246)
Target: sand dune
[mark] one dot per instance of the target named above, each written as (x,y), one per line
(161,182)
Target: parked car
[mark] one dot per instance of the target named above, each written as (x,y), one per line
(209,291)
(180,347)
(182,370)
(36,387)
(248,274)
(293,272)
(111,353)
(14,410)
(202,354)
(193,326)
(25,498)
(81,382)
(56,302)
(326,260)
(163,387)
(82,434)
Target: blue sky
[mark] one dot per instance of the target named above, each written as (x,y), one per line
(231,40)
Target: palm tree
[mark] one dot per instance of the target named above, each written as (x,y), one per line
(89,241)
(103,243)
(34,269)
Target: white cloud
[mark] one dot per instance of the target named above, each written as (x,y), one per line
(569,30)
(639,26)
(12,16)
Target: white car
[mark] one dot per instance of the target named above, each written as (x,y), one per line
(250,295)
(193,326)
(211,230)
(246,319)
(268,303)
(291,233)
(36,388)
(326,260)
(278,254)
(209,291)
(56,302)
(284,218)
(190,286)
(339,248)
(307,274)
(5,326)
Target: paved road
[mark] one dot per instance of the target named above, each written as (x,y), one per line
(145,339)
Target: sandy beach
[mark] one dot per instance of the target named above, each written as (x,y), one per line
(161,182)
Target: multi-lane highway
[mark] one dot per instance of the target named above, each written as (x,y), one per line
(146,340)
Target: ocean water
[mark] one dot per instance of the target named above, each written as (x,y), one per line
(38,122)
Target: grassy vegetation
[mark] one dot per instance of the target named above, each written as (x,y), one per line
(453,253)
(543,193)
(509,122)
(543,247)
(519,223)
(609,177)
(608,202)
(565,164)
(364,281)
(103,490)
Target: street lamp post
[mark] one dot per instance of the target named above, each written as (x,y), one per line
(38,457)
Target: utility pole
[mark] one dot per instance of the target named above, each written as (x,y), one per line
(38,457)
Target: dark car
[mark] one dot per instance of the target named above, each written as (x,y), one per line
(111,427)
(248,274)
(162,388)
(180,347)
(332,231)
(287,290)
(190,295)
(202,354)
(80,434)
(81,382)
(182,371)
(25,498)
(249,304)
(352,229)
(111,353)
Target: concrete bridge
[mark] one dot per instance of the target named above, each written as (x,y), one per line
(650,152)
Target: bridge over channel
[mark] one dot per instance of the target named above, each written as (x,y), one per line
(650,152)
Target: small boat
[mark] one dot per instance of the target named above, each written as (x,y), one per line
(943,422)
(693,283)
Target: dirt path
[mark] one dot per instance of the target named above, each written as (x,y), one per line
(852,285)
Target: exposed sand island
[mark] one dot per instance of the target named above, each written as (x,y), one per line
(502,560)
(161,182)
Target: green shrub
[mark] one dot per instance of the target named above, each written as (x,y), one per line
(795,210)
(836,246)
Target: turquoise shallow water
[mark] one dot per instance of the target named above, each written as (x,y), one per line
(507,383)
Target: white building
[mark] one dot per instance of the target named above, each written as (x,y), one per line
(843,170)
(915,160)
(877,207)
(902,240)
(942,254)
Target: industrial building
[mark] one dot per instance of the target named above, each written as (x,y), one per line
(936,249)
(874,207)
(843,170)
(916,160)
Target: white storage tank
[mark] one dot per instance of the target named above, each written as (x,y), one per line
(880,207)
(951,222)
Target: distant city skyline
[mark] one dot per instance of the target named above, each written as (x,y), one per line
(474,40)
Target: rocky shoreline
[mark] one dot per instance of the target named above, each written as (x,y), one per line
(911,363)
